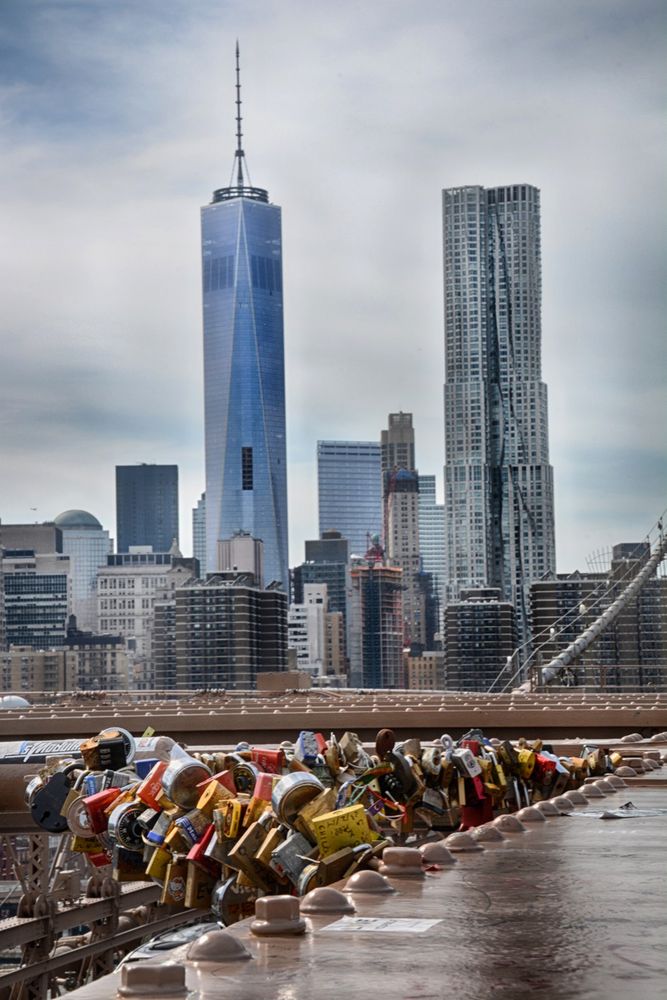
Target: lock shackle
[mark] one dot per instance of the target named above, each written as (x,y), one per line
(76,765)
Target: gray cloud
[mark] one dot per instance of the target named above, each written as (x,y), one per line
(117,124)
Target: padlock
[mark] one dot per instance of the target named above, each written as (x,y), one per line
(431,764)
(336,866)
(509,758)
(96,806)
(264,786)
(199,887)
(291,793)
(159,862)
(269,761)
(526,762)
(245,775)
(173,890)
(272,841)
(228,818)
(180,781)
(147,819)
(243,856)
(124,828)
(224,778)
(109,750)
(85,845)
(325,802)
(197,853)
(433,801)
(498,770)
(212,796)
(127,866)
(150,789)
(306,749)
(384,742)
(47,800)
(144,767)
(158,831)
(129,742)
(93,782)
(342,828)
(78,818)
(192,825)
(218,850)
(466,763)
(231,902)
(118,779)
(254,811)
(291,857)
(351,748)
(403,773)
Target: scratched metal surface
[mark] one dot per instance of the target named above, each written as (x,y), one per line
(574,909)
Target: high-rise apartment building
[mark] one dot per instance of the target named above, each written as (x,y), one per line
(128,587)
(498,481)
(306,629)
(227,631)
(316,633)
(401,520)
(146,506)
(244,369)
(479,639)
(199,533)
(328,562)
(376,622)
(36,597)
(398,443)
(349,490)
(432,539)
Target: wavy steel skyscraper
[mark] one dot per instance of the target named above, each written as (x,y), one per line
(244,368)
(498,481)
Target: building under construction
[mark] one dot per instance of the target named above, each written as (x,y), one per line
(376,634)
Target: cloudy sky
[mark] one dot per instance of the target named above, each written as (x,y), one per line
(116,122)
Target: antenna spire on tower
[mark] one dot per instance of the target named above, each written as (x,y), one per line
(240,183)
(239,134)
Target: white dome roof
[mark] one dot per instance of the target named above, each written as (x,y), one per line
(13,701)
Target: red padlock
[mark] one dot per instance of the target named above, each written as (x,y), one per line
(224,778)
(150,789)
(196,853)
(271,761)
(95,806)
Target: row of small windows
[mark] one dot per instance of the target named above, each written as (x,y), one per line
(266,273)
(218,273)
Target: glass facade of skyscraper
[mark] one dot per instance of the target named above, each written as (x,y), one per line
(146,506)
(349,489)
(87,544)
(244,377)
(498,480)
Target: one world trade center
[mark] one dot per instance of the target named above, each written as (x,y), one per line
(244,368)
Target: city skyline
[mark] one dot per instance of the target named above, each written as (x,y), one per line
(108,161)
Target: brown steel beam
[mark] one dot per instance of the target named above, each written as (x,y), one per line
(17,931)
(119,940)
